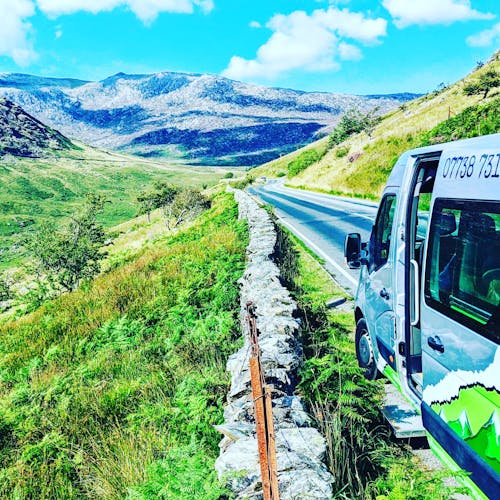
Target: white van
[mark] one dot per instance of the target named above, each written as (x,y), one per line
(427,306)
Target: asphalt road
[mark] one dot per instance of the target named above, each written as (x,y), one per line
(321,221)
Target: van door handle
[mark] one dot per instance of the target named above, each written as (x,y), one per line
(435,343)
(384,294)
(415,293)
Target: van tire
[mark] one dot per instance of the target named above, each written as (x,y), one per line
(364,351)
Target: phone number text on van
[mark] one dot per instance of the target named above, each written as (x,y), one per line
(461,167)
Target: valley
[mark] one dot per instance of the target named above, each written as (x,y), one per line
(41,189)
(112,390)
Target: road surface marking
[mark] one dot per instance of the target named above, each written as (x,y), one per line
(318,251)
(334,204)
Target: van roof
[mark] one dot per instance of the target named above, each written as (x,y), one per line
(478,143)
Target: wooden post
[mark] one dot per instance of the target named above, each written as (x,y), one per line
(271,444)
(263,409)
(260,424)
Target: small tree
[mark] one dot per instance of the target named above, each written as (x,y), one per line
(161,197)
(187,205)
(64,256)
(177,205)
(353,122)
(146,204)
(164,197)
(487,81)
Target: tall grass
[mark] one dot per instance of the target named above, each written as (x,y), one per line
(112,390)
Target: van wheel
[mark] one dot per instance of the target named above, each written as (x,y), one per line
(364,351)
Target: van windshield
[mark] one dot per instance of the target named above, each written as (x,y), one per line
(463,264)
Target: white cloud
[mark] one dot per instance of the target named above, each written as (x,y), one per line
(486,37)
(145,10)
(308,42)
(352,25)
(15,32)
(348,52)
(255,24)
(408,12)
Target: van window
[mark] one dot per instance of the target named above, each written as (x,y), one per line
(462,278)
(380,240)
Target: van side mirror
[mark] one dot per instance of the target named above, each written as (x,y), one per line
(352,250)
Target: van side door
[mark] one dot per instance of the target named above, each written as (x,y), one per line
(379,290)
(460,321)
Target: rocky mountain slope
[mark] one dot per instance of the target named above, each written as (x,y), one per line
(25,136)
(203,118)
(361,164)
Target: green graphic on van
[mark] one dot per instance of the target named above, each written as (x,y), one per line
(475,417)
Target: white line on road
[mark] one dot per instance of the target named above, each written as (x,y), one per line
(330,201)
(318,251)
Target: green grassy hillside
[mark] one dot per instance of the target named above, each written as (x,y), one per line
(111,391)
(32,190)
(361,164)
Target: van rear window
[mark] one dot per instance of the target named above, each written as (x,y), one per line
(462,278)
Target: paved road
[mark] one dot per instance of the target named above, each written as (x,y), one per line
(321,221)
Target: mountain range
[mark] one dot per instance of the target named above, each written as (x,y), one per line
(202,119)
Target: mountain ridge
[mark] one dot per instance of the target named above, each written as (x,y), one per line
(23,135)
(125,111)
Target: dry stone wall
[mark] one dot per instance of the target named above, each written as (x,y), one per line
(300,448)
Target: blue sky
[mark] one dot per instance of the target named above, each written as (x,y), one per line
(357,46)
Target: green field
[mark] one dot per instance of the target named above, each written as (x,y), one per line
(33,190)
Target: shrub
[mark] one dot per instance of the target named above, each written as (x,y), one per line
(341,152)
(304,160)
(353,122)
(486,82)
(242,184)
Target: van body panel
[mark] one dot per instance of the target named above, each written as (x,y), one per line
(462,384)
(482,475)
(437,335)
(382,317)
